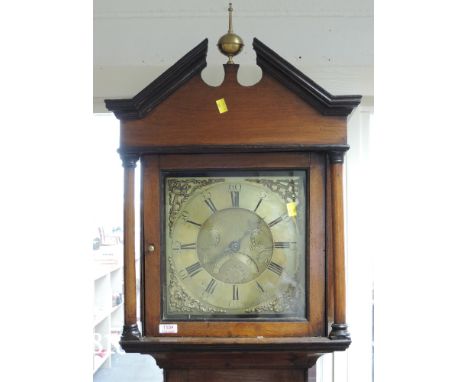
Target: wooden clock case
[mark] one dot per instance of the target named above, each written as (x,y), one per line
(284,121)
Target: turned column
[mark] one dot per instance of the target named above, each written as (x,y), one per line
(130,329)
(339,326)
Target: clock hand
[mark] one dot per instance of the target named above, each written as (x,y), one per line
(225,252)
(234,246)
(252,227)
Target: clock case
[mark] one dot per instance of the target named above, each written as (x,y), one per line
(285,121)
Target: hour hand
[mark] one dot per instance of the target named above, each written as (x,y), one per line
(253,226)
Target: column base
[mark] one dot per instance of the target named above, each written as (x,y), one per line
(339,332)
(130,333)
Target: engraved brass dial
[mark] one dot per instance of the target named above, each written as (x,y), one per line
(234,246)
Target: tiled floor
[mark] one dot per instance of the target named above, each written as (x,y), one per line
(130,368)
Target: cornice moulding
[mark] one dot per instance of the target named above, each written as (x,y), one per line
(195,61)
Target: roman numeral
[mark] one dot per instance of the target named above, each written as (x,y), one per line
(189,246)
(235,293)
(211,286)
(194,223)
(260,287)
(186,219)
(211,205)
(193,269)
(234,189)
(274,222)
(282,244)
(275,268)
(235,199)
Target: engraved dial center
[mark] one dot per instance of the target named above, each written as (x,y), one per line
(234,245)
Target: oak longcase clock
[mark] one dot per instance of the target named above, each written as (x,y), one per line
(242,221)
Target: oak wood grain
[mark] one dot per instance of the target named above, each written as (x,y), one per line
(243,375)
(151,236)
(316,258)
(130,317)
(336,182)
(236,359)
(264,114)
(235,344)
(239,375)
(235,161)
(329,251)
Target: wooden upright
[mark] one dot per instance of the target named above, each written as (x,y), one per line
(285,121)
(130,329)
(339,327)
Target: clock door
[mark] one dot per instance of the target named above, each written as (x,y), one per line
(234,244)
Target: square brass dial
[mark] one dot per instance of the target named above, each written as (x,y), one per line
(234,245)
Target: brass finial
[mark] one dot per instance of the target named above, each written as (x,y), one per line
(230,44)
(230,9)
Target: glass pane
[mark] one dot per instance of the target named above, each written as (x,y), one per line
(234,245)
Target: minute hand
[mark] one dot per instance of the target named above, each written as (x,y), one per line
(248,231)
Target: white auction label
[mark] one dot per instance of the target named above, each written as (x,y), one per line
(167,328)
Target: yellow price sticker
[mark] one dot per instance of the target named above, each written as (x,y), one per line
(292,210)
(222,107)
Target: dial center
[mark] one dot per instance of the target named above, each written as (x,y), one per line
(234,245)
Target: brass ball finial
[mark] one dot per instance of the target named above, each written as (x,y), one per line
(230,44)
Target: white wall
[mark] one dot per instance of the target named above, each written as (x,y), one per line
(134,42)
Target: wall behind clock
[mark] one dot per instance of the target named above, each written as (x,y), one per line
(135,41)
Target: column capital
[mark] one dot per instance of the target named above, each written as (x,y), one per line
(336,156)
(129,160)
(339,332)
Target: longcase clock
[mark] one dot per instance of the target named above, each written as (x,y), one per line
(242,221)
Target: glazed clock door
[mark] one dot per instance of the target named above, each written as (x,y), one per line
(234,244)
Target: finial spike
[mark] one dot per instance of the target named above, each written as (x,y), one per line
(230,18)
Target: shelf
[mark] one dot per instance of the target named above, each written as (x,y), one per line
(100,316)
(114,308)
(108,286)
(107,259)
(101,270)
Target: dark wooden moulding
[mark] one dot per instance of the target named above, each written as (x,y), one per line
(285,120)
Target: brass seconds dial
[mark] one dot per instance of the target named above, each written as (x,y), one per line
(235,246)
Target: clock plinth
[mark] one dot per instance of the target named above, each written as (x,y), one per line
(242,366)
(242,245)
(236,359)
